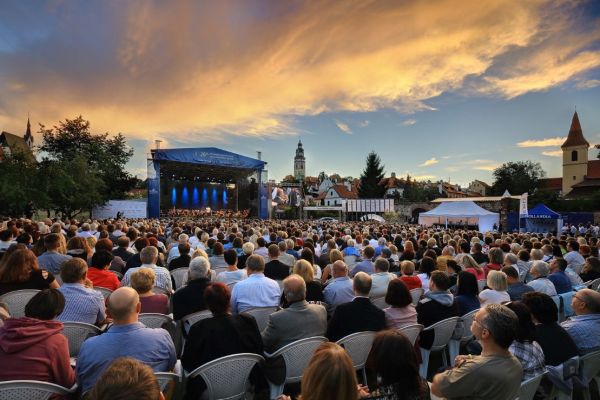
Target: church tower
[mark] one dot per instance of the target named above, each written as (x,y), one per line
(575,156)
(28,136)
(299,166)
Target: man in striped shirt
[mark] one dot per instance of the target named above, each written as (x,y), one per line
(148,257)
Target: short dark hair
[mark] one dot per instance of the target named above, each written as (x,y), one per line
(502,324)
(217,296)
(466,284)
(440,279)
(140,243)
(369,252)
(126,379)
(574,245)
(73,270)
(510,271)
(230,256)
(273,251)
(184,248)
(101,259)
(454,265)
(562,263)
(255,263)
(382,264)
(427,265)
(398,294)
(47,304)
(261,242)
(402,368)
(218,249)
(52,241)
(541,306)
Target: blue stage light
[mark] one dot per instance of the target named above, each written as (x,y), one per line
(174,197)
(195,198)
(185,199)
(204,197)
(224,197)
(214,197)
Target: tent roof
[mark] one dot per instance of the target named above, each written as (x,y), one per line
(541,211)
(208,156)
(457,209)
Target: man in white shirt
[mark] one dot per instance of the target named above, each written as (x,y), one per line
(148,257)
(174,252)
(381,278)
(85,231)
(255,291)
(574,260)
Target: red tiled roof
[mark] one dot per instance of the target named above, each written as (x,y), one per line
(593,169)
(344,193)
(575,137)
(551,183)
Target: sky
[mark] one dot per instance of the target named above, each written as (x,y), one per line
(446,89)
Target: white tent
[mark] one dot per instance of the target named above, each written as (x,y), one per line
(460,213)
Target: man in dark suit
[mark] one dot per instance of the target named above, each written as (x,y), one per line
(299,321)
(123,249)
(190,298)
(183,261)
(275,269)
(359,315)
(438,304)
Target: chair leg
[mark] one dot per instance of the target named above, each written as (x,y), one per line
(453,350)
(424,363)
(364,374)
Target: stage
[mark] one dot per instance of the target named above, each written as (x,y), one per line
(206,179)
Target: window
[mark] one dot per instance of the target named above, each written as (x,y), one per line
(574,155)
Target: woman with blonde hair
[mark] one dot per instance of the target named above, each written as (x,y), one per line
(470,265)
(78,247)
(314,289)
(334,255)
(143,281)
(496,294)
(330,376)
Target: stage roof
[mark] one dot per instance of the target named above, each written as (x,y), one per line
(487,198)
(205,164)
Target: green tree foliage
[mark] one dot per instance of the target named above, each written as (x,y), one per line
(103,155)
(517,177)
(71,185)
(19,183)
(369,179)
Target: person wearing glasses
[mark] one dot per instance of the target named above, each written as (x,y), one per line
(586,305)
(495,326)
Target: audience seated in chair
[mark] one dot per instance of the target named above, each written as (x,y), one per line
(257,290)
(127,379)
(143,281)
(584,326)
(190,298)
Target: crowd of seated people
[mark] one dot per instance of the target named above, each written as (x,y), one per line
(203,213)
(320,279)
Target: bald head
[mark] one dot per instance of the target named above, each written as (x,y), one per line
(339,269)
(124,305)
(589,302)
(294,288)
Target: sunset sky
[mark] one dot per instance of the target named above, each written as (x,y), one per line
(440,89)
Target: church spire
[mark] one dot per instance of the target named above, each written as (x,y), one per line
(575,137)
(28,136)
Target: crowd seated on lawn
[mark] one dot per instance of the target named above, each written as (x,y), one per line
(318,278)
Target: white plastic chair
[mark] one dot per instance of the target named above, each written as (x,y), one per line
(412,332)
(443,331)
(227,377)
(160,290)
(164,378)
(416,295)
(17,300)
(296,356)
(350,261)
(595,284)
(557,300)
(261,315)
(180,276)
(567,310)
(358,345)
(117,273)
(529,387)
(465,322)
(154,320)
(590,366)
(191,319)
(76,333)
(379,302)
(31,390)
(105,291)
(481,284)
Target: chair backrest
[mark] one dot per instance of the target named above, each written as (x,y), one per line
(30,390)
(154,320)
(412,332)
(590,365)
(180,276)
(76,333)
(379,302)
(566,299)
(443,331)
(595,284)
(164,378)
(219,270)
(350,261)
(17,300)
(529,387)
(481,284)
(105,292)
(117,273)
(227,377)
(261,315)
(191,319)
(297,355)
(558,303)
(466,321)
(358,345)
(416,295)
(160,290)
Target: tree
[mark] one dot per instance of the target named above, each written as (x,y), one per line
(104,155)
(517,177)
(369,179)
(19,184)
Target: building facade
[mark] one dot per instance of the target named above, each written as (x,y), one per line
(299,163)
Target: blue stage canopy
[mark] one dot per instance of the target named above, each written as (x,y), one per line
(207,156)
(541,211)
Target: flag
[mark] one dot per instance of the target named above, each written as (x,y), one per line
(523,206)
